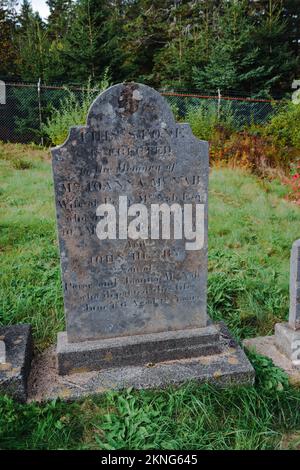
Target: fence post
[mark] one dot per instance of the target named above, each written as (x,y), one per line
(40,109)
(219,103)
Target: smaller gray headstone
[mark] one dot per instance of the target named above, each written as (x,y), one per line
(14,370)
(2,352)
(294,316)
(2,92)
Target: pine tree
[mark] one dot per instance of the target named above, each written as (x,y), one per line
(84,53)
(8,49)
(114,37)
(247,46)
(25,15)
(33,48)
(145,32)
(291,14)
(276,62)
(189,42)
(58,25)
(59,18)
(231,49)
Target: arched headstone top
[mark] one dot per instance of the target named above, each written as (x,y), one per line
(130,111)
(130,104)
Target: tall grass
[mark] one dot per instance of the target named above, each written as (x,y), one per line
(72,111)
(204,119)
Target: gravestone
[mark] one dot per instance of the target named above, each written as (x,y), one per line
(284,346)
(2,92)
(288,334)
(16,351)
(131,147)
(136,294)
(294,315)
(2,352)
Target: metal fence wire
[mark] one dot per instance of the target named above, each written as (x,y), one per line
(28,106)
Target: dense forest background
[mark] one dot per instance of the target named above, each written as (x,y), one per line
(242,47)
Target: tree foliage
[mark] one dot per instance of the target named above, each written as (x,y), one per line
(250,47)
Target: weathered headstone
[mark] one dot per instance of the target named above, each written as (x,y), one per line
(288,334)
(284,347)
(2,352)
(131,147)
(139,294)
(15,360)
(2,92)
(294,316)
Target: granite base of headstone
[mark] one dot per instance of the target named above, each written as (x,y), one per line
(229,367)
(135,294)
(16,355)
(284,346)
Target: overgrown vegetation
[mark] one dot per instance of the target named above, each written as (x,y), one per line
(270,150)
(284,127)
(206,119)
(72,111)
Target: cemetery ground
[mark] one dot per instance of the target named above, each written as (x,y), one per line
(251,229)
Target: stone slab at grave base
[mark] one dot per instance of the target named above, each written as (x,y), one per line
(14,372)
(288,342)
(135,350)
(268,346)
(229,366)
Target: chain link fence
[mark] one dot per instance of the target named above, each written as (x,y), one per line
(27,107)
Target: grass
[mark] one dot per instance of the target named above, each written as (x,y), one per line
(251,229)
(189,417)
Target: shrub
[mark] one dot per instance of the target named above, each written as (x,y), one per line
(72,111)
(205,119)
(254,152)
(284,126)
(293,183)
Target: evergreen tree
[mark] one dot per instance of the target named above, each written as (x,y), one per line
(190,40)
(231,50)
(33,48)
(25,15)
(58,25)
(8,49)
(145,32)
(276,63)
(247,46)
(291,13)
(84,52)
(113,45)
(59,18)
